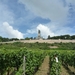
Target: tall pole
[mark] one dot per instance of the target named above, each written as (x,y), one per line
(24,65)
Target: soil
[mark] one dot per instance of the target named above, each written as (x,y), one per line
(44,68)
(64,71)
(67,70)
(42,41)
(53,47)
(72,69)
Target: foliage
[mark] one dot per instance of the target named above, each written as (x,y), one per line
(55,67)
(11,55)
(66,37)
(14,59)
(65,58)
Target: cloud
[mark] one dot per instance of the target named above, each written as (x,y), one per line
(51,9)
(45,31)
(61,14)
(70,1)
(11,32)
(52,29)
(5,14)
(55,10)
(32,31)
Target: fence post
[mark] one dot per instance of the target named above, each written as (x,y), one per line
(24,65)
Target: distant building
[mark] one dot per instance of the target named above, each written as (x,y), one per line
(39,35)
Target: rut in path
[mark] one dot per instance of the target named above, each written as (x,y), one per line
(44,68)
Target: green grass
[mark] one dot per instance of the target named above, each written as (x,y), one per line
(38,46)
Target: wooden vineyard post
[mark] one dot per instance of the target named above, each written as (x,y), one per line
(56,66)
(24,65)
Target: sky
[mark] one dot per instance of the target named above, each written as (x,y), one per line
(23,18)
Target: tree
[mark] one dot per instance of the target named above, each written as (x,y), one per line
(31,38)
(27,38)
(73,37)
(0,39)
(48,37)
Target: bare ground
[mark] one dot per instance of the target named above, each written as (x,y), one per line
(64,71)
(47,41)
(42,41)
(44,68)
(67,70)
(72,69)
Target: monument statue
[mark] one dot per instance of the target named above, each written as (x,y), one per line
(39,35)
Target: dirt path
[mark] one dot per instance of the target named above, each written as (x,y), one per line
(72,69)
(44,68)
(67,71)
(64,71)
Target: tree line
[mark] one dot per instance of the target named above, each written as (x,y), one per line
(64,37)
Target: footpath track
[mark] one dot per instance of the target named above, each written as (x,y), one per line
(44,68)
(67,71)
(64,71)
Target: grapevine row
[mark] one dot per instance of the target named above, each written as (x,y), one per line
(33,61)
(67,58)
(9,59)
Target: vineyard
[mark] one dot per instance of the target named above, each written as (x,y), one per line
(19,60)
(65,59)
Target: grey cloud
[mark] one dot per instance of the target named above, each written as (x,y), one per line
(52,9)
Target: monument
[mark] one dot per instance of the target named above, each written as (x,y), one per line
(39,35)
